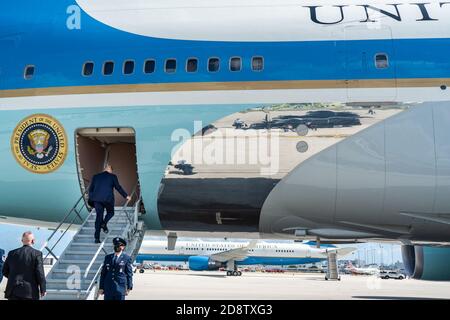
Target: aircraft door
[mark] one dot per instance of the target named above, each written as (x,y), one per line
(370,64)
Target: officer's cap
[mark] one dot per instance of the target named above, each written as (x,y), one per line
(119,241)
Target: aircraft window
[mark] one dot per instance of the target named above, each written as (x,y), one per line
(88,69)
(29,72)
(235,64)
(149,66)
(257,63)
(108,68)
(192,65)
(128,67)
(171,66)
(213,64)
(381,61)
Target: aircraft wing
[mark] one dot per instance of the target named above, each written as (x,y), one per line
(234,254)
(341,252)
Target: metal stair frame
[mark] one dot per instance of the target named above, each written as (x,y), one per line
(133,232)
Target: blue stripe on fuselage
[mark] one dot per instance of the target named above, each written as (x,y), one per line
(247,261)
(59,53)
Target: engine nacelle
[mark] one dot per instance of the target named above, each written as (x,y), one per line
(427,263)
(202,263)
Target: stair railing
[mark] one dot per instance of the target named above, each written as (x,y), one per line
(72,217)
(133,222)
(132,219)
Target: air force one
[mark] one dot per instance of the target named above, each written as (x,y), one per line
(84,82)
(213,255)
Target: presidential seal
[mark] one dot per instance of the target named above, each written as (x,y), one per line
(39,143)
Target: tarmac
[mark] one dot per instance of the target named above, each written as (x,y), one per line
(211,285)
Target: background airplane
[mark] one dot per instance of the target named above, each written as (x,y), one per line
(213,255)
(371,270)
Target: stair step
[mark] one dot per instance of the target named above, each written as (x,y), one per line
(53,294)
(78,262)
(87,253)
(102,236)
(63,286)
(90,245)
(111,228)
(90,239)
(111,222)
(80,253)
(64,281)
(64,271)
(116,217)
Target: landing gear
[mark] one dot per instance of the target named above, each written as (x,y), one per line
(338,279)
(232,270)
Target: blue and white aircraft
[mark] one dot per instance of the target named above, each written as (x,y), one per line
(213,255)
(84,82)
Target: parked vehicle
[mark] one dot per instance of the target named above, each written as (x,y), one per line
(391,274)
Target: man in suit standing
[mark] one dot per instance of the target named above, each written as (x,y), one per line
(24,268)
(116,278)
(101,196)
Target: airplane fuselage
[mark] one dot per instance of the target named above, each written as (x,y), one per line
(159,66)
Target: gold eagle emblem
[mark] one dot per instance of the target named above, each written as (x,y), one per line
(39,143)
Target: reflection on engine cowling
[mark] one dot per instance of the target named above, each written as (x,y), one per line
(427,263)
(220,178)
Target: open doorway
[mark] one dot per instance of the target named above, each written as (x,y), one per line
(117,146)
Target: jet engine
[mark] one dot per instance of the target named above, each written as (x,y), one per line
(427,263)
(202,263)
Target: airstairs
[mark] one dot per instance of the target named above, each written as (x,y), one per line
(332,266)
(76,274)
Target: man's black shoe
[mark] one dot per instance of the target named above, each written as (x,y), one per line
(105,228)
(97,241)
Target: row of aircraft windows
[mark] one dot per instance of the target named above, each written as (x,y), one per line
(217,245)
(229,246)
(170,66)
(207,249)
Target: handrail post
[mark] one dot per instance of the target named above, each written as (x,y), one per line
(75,209)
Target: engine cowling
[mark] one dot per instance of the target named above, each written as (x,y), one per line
(203,263)
(427,263)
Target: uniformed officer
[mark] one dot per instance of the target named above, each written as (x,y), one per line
(116,279)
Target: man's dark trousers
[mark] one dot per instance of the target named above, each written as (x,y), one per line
(100,221)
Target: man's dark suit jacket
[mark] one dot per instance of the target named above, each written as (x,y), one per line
(24,269)
(102,188)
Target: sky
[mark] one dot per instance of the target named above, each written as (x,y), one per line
(10,235)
